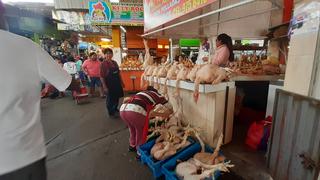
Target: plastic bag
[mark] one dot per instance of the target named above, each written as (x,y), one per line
(258,134)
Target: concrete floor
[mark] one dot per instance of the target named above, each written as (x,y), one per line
(83,143)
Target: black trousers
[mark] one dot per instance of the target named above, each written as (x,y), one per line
(112,103)
(34,171)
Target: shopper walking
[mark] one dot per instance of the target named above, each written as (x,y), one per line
(91,68)
(137,110)
(22,149)
(70,66)
(112,82)
(79,67)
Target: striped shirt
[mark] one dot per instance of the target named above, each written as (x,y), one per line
(151,97)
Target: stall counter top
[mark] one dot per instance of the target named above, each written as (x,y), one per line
(203,88)
(131,69)
(258,78)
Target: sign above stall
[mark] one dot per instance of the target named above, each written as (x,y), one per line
(159,12)
(128,14)
(100,12)
(73,21)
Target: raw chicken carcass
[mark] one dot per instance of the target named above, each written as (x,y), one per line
(192,74)
(148,59)
(186,168)
(162,73)
(148,71)
(209,74)
(271,69)
(172,75)
(182,75)
(210,158)
(156,147)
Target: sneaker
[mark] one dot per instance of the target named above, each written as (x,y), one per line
(114,116)
(132,149)
(138,157)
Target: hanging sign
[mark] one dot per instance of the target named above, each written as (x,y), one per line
(129,14)
(73,21)
(158,12)
(100,12)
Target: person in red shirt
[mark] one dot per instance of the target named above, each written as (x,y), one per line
(91,68)
(137,110)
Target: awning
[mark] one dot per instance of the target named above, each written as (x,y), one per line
(240,19)
(82,4)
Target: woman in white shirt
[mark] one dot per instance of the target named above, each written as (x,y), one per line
(224,51)
(70,66)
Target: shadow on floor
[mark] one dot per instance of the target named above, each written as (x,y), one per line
(249,164)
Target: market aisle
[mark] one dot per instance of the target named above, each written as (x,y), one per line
(84,144)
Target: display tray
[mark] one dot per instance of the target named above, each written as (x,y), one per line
(188,85)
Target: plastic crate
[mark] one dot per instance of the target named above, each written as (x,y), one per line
(153,164)
(168,168)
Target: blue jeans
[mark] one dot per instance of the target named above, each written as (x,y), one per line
(95,81)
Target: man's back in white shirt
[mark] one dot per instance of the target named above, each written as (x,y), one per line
(23,66)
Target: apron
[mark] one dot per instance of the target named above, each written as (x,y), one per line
(149,107)
(113,82)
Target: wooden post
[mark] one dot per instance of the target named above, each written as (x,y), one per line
(116,36)
(287,10)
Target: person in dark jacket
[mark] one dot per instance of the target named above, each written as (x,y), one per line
(111,82)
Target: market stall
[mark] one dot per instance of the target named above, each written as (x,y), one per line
(213,113)
(241,93)
(207,20)
(132,79)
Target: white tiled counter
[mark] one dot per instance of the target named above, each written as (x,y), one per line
(213,113)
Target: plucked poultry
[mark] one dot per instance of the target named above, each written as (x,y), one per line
(208,74)
(203,165)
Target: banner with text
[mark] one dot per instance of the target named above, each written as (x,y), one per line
(129,14)
(158,12)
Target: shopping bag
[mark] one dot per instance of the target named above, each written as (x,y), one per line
(258,134)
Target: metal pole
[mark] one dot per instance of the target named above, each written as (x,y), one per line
(170,50)
(202,16)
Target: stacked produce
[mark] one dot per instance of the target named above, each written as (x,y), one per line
(269,66)
(247,68)
(131,63)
